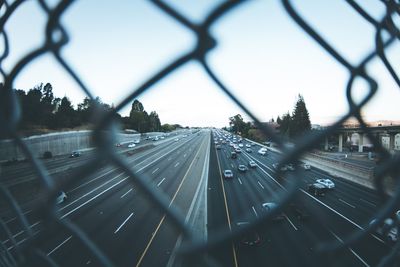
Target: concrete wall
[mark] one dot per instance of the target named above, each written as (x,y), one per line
(58,143)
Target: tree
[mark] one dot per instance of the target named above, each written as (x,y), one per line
(285,124)
(154,122)
(300,118)
(65,115)
(237,124)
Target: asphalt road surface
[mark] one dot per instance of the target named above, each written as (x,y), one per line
(187,169)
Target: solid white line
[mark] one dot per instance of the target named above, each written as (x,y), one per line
(62,243)
(96,196)
(348,204)
(255,212)
(12,219)
(126,193)
(119,228)
(240,181)
(260,184)
(155,170)
(287,218)
(320,202)
(20,232)
(160,182)
(91,191)
(351,250)
(176,165)
(368,202)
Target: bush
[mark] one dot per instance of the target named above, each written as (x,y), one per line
(47,155)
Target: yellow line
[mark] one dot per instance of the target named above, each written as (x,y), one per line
(227,211)
(162,219)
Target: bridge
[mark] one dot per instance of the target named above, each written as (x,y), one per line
(392,132)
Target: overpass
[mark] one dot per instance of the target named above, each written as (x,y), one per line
(378,131)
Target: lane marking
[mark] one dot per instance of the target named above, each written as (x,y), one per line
(126,193)
(347,203)
(227,211)
(119,228)
(164,216)
(21,232)
(184,155)
(12,219)
(169,158)
(320,202)
(62,243)
(161,182)
(96,196)
(240,181)
(176,165)
(260,184)
(368,202)
(232,165)
(287,218)
(155,170)
(254,210)
(351,250)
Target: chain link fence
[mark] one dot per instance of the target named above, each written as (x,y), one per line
(194,251)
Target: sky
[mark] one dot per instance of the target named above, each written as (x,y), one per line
(262,56)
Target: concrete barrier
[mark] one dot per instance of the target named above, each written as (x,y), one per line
(60,143)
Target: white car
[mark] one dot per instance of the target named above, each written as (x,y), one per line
(248,145)
(228,174)
(326,182)
(137,141)
(307,166)
(61,197)
(240,145)
(262,151)
(131,145)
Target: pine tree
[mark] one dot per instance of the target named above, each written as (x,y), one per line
(300,118)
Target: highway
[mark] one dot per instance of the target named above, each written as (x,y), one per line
(293,241)
(188,169)
(118,218)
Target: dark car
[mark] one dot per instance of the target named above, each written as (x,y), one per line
(317,189)
(233,155)
(251,238)
(269,207)
(299,211)
(75,154)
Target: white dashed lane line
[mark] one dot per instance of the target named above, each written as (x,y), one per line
(126,193)
(162,180)
(127,219)
(347,203)
(176,165)
(240,181)
(155,170)
(260,185)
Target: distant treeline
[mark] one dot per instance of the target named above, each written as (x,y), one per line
(41,109)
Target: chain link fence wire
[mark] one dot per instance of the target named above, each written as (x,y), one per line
(194,251)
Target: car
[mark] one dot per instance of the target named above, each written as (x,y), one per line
(251,238)
(283,168)
(238,150)
(137,141)
(176,139)
(269,207)
(61,197)
(228,174)
(218,147)
(240,145)
(118,144)
(248,145)
(307,166)
(75,154)
(290,167)
(248,150)
(242,168)
(252,164)
(317,189)
(262,151)
(233,155)
(388,230)
(299,211)
(131,145)
(326,182)
(155,138)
